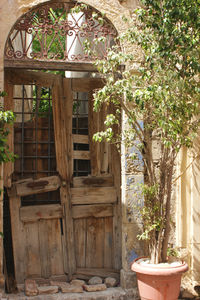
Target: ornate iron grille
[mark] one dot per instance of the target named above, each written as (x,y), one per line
(52,32)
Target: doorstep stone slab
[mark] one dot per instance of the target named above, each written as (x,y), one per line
(71,288)
(95,280)
(110,282)
(31,287)
(110,294)
(78,282)
(47,290)
(59,283)
(95,287)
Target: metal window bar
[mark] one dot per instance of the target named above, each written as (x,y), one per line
(42,150)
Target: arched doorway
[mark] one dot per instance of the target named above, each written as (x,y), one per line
(64,189)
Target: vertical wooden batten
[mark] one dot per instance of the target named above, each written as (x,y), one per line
(62,109)
(19,246)
(93,121)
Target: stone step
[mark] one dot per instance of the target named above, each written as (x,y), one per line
(116,293)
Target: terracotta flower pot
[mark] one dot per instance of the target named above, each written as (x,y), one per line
(158,282)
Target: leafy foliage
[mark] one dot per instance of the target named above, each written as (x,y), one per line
(160,100)
(6,117)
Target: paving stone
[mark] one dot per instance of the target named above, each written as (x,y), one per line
(110,282)
(78,282)
(31,287)
(95,287)
(95,280)
(48,289)
(70,288)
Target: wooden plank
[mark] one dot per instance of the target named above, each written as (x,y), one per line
(50,65)
(44,249)
(101,272)
(104,146)
(9,105)
(91,243)
(97,211)
(62,112)
(117,220)
(108,243)
(32,250)
(93,122)
(86,84)
(18,240)
(80,139)
(97,181)
(85,155)
(30,77)
(34,213)
(65,190)
(80,241)
(55,247)
(104,152)
(64,247)
(42,185)
(93,195)
(99,243)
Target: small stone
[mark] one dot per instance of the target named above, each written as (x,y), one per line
(77,282)
(58,283)
(95,280)
(31,288)
(20,287)
(187,294)
(69,288)
(42,281)
(95,287)
(110,282)
(48,289)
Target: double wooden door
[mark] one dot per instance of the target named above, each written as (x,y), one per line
(64,189)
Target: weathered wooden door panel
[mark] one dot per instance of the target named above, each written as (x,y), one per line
(93,242)
(37,230)
(95,199)
(78,234)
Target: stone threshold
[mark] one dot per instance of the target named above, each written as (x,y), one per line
(116,293)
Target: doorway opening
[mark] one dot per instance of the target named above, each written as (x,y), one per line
(63,188)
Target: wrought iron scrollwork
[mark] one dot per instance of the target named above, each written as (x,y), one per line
(52,32)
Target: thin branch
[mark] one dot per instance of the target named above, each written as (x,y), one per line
(188,166)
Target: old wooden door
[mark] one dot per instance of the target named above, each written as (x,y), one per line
(64,188)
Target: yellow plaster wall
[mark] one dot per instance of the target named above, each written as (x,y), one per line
(188,213)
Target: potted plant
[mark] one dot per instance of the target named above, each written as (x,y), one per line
(160,101)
